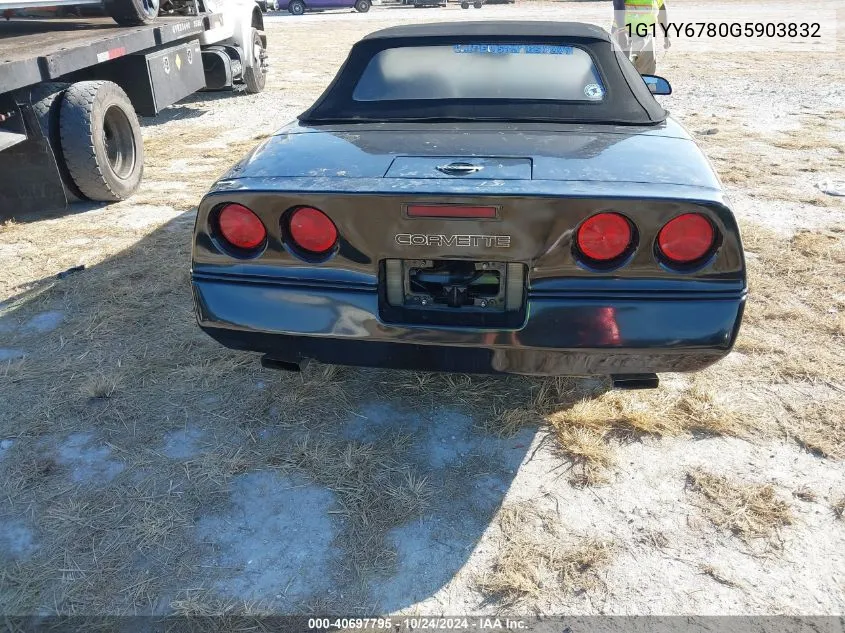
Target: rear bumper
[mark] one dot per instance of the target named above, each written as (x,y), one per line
(562,335)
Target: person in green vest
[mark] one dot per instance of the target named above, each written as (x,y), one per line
(636,26)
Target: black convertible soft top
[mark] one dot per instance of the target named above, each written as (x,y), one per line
(627,99)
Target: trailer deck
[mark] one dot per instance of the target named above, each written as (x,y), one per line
(35,50)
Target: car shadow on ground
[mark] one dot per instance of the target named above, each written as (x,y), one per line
(181,475)
(181,111)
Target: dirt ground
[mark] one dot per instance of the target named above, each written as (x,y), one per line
(145,469)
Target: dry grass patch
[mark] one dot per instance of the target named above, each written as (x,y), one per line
(321,390)
(586,420)
(167,184)
(535,565)
(203,611)
(805,493)
(765,165)
(491,395)
(820,429)
(590,453)
(587,431)
(101,385)
(205,604)
(748,511)
(838,507)
(718,576)
(506,422)
(94,549)
(794,328)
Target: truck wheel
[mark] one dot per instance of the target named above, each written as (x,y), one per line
(132,12)
(255,76)
(362,6)
(464,5)
(477,5)
(296,7)
(101,140)
(46,99)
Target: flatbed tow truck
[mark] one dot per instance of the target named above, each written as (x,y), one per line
(70,90)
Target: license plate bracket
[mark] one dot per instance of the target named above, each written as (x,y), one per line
(455,285)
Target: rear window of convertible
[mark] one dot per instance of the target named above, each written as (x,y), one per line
(481,71)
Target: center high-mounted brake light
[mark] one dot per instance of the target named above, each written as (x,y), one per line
(604,237)
(312,230)
(240,227)
(450,211)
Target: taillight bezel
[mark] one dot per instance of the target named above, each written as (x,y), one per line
(604,265)
(691,266)
(293,247)
(223,243)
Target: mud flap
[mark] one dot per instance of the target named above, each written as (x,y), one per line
(30,182)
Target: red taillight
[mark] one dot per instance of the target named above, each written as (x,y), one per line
(686,238)
(604,237)
(241,227)
(312,230)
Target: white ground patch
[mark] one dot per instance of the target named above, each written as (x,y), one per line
(782,216)
(431,551)
(448,442)
(147,216)
(832,187)
(5,446)
(183,443)
(16,540)
(374,419)
(44,322)
(6,323)
(192,165)
(89,461)
(10,354)
(275,544)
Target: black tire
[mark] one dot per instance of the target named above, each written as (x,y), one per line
(296,7)
(101,140)
(477,5)
(133,12)
(362,6)
(46,99)
(465,5)
(255,76)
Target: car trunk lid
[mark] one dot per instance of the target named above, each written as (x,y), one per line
(662,155)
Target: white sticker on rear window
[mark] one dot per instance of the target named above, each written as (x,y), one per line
(593,91)
(513,49)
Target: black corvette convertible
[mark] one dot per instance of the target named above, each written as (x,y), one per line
(476,197)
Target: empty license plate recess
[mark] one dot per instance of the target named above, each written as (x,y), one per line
(455,285)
